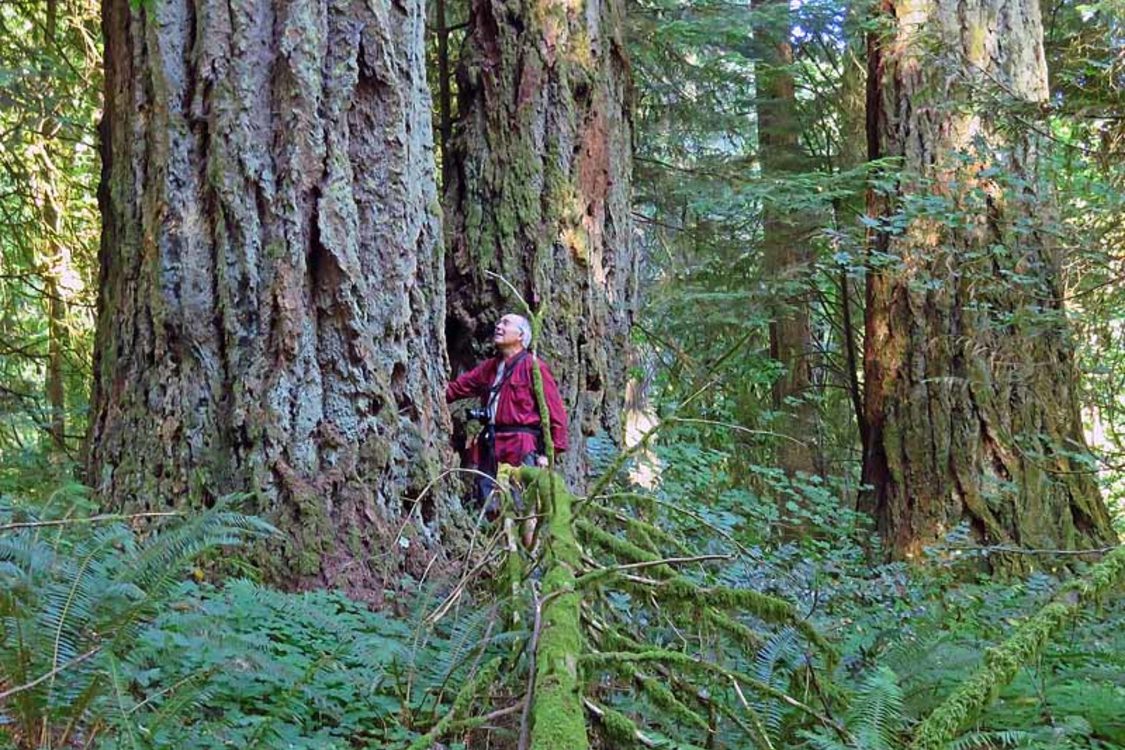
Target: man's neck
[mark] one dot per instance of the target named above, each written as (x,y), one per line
(507,352)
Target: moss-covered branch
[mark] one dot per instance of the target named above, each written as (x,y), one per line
(465,697)
(622,660)
(1002,663)
(557,719)
(720,599)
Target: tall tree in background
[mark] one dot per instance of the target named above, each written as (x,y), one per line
(52,207)
(538,192)
(971,396)
(270,313)
(787,256)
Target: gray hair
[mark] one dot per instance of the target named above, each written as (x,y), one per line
(524,328)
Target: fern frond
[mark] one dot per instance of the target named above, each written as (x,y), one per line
(875,717)
(992,740)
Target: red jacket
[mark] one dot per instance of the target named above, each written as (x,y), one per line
(515,405)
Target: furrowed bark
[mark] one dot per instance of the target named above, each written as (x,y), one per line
(971,396)
(271,306)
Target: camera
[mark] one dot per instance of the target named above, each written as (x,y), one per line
(480,414)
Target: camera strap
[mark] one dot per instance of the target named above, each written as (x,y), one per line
(494,391)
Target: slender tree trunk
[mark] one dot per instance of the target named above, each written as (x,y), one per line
(971,389)
(539,193)
(55,386)
(787,255)
(56,258)
(270,309)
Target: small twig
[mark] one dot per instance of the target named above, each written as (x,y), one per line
(171,688)
(417,501)
(736,427)
(671,561)
(48,675)
(600,572)
(435,616)
(609,474)
(500,712)
(515,291)
(88,519)
(672,506)
(641,580)
(1007,549)
(529,698)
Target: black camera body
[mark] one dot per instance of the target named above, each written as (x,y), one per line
(480,414)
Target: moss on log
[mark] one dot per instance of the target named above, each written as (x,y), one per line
(558,721)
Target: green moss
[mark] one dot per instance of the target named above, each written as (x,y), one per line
(620,661)
(469,692)
(1001,663)
(621,548)
(750,639)
(355,542)
(557,718)
(665,699)
(975,47)
(619,728)
(646,533)
(721,599)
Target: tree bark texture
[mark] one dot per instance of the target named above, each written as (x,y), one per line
(970,382)
(539,193)
(786,252)
(271,304)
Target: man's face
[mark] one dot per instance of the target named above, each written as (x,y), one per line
(507,331)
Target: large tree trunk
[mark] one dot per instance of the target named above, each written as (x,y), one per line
(271,304)
(971,398)
(539,193)
(786,252)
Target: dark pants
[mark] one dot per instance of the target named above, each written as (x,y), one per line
(486,485)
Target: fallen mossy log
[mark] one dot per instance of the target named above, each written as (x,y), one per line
(558,721)
(1002,662)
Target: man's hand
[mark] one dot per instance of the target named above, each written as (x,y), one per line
(542,462)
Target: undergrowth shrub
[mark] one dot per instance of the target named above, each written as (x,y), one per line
(700,627)
(76,590)
(246,666)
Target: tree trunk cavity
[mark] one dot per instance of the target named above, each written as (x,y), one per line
(539,194)
(971,398)
(271,308)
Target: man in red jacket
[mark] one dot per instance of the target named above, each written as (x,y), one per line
(512,432)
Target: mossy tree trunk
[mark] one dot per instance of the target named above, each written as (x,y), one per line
(971,398)
(787,235)
(539,193)
(271,304)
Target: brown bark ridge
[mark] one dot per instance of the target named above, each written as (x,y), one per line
(539,193)
(786,253)
(270,315)
(971,397)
